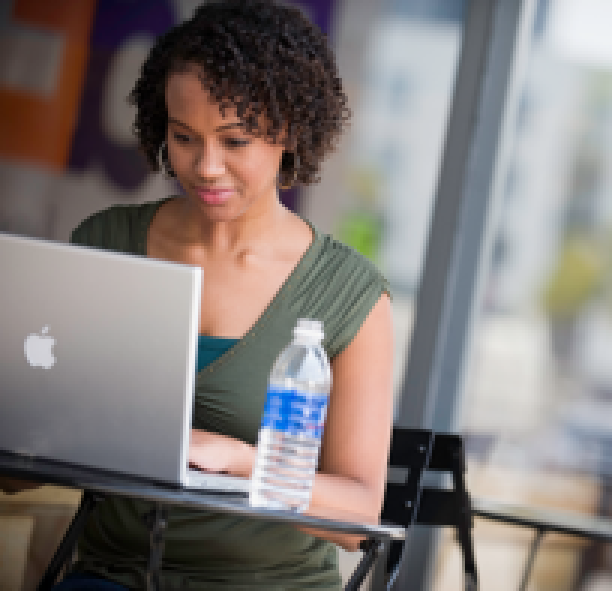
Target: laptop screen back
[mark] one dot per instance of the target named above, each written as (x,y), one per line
(97,357)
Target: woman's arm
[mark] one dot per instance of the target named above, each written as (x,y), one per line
(354,456)
(353,461)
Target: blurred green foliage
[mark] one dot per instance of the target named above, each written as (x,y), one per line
(361,225)
(579,276)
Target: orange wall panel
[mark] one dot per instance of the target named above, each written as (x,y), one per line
(38,129)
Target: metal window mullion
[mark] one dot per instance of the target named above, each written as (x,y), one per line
(493,32)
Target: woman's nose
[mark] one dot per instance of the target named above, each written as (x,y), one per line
(210,161)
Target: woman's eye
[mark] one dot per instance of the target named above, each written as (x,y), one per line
(235,142)
(181,138)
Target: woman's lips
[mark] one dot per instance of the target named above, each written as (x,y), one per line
(214,196)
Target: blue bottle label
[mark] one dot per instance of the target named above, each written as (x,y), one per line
(295,413)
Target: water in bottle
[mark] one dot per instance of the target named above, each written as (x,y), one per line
(293,422)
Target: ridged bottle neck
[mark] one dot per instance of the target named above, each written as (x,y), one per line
(306,341)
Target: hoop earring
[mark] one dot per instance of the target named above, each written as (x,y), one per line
(163,163)
(296,168)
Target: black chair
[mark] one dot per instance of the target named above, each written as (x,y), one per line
(414,451)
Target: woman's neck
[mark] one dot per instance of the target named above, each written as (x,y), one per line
(256,225)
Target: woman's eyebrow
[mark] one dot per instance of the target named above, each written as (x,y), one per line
(177,122)
(230,126)
(235,124)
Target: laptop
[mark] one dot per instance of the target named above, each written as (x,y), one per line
(97,361)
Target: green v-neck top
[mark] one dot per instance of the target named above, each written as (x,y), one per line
(214,551)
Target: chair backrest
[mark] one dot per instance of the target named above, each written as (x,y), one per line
(415,451)
(409,456)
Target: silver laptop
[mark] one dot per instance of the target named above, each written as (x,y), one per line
(97,360)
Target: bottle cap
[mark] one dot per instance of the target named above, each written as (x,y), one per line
(309,328)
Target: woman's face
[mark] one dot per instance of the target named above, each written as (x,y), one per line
(224,171)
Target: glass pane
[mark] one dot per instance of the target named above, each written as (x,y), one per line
(377,191)
(538,398)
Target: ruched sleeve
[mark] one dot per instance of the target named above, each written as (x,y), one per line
(340,287)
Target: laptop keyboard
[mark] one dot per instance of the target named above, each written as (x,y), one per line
(222,483)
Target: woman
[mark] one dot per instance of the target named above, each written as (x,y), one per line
(243,98)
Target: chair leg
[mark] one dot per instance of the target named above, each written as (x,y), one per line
(464,529)
(464,537)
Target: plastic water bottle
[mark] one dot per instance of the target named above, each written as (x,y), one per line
(293,422)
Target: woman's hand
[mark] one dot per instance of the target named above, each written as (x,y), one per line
(212,452)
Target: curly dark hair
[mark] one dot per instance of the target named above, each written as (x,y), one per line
(261,58)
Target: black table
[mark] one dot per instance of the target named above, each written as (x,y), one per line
(98,483)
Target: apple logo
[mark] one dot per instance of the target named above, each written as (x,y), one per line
(39,349)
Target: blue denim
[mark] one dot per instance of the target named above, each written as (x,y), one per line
(84,582)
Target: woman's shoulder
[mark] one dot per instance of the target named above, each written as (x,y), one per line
(335,254)
(339,286)
(119,227)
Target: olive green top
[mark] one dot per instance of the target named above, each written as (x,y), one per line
(216,551)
